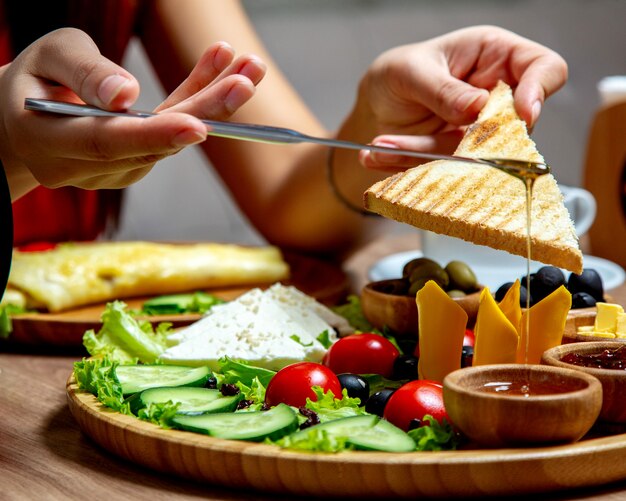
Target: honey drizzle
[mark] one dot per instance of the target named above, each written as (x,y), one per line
(528,183)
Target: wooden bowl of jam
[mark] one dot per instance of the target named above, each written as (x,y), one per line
(604,360)
(521,405)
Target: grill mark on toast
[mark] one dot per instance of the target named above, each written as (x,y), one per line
(481,132)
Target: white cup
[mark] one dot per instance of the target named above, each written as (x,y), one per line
(579,202)
(581,206)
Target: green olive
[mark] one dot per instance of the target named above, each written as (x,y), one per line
(414,263)
(462,277)
(456,293)
(425,272)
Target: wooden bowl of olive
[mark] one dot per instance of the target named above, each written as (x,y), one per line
(391,303)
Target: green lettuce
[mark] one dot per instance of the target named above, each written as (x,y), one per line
(124,339)
(435,436)
(328,408)
(97,376)
(159,414)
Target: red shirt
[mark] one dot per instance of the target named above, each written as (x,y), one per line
(69,213)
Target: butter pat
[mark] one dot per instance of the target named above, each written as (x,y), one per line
(606,317)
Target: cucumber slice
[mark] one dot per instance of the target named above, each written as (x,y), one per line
(366,432)
(254,426)
(192,400)
(194,302)
(135,378)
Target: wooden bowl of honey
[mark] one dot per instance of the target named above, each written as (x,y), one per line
(604,360)
(521,405)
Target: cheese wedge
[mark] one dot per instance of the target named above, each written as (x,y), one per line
(77,274)
(481,204)
(546,321)
(442,324)
(496,337)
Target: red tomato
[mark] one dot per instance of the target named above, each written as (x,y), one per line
(362,354)
(292,384)
(468,339)
(414,400)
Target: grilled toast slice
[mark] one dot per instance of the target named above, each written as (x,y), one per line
(479,203)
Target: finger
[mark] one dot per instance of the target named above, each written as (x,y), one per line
(250,67)
(110,139)
(541,78)
(213,62)
(69,57)
(444,143)
(218,101)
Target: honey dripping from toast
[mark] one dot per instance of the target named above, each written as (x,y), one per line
(528,177)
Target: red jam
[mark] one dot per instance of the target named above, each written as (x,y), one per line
(607,359)
(528,389)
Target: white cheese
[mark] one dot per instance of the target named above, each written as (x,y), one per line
(269,329)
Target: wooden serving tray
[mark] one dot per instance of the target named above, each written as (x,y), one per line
(266,468)
(323,280)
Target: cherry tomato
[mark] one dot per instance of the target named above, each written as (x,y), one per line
(362,354)
(468,339)
(414,400)
(292,384)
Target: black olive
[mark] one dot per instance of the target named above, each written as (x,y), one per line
(467,356)
(523,294)
(588,281)
(405,367)
(376,403)
(355,385)
(582,300)
(502,290)
(211,382)
(547,280)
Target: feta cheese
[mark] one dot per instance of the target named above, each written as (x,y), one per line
(270,329)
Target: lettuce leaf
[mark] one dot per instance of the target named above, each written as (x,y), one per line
(315,440)
(353,313)
(328,408)
(435,436)
(159,414)
(97,376)
(235,371)
(124,339)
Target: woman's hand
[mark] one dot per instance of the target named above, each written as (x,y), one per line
(37,148)
(421,96)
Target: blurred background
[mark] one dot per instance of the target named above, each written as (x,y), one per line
(324,46)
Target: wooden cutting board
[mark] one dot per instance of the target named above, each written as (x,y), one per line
(269,469)
(323,280)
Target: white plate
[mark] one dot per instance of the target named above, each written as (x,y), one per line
(492,276)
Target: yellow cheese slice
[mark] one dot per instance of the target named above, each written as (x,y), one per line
(546,321)
(442,324)
(496,337)
(510,304)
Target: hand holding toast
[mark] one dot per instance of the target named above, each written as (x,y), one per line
(435,88)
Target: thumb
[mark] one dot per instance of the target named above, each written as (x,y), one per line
(71,58)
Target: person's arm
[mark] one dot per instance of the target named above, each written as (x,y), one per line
(283,190)
(425,92)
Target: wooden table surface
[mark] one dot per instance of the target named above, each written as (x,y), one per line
(43,454)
